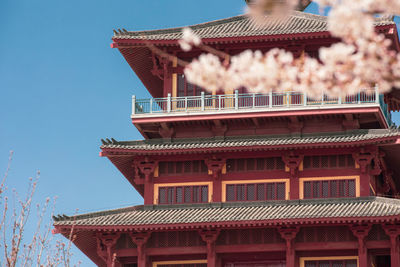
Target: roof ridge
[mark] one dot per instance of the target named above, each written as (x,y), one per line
(193,26)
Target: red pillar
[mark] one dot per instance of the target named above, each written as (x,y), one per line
(146,167)
(217,189)
(215,167)
(210,237)
(364,185)
(294,187)
(148,191)
(289,234)
(140,239)
(293,161)
(363,159)
(361,232)
(393,232)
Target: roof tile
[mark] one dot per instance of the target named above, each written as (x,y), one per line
(238,212)
(239,26)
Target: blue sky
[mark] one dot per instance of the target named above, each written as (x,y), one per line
(63,89)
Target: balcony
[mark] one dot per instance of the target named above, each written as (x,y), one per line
(252,102)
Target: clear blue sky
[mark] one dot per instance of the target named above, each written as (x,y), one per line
(63,89)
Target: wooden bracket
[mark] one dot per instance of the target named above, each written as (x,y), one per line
(105,245)
(210,237)
(146,166)
(292,161)
(364,158)
(289,234)
(166,131)
(216,166)
(361,232)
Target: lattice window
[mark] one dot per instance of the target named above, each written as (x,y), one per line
(255,164)
(330,188)
(259,191)
(325,234)
(175,239)
(182,167)
(125,241)
(328,162)
(249,236)
(377,233)
(331,263)
(183,265)
(182,194)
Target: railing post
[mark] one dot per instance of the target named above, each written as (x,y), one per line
(322,98)
(376,94)
(359,97)
(133,104)
(270,99)
(186,103)
(219,102)
(236,99)
(305,98)
(254,99)
(151,105)
(340,98)
(169,103)
(287,99)
(202,101)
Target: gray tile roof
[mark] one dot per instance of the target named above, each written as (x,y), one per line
(233,214)
(242,26)
(363,136)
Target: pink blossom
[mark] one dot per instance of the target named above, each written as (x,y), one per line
(189,39)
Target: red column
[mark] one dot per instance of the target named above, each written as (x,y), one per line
(215,166)
(148,191)
(289,233)
(393,232)
(140,239)
(293,161)
(361,232)
(146,167)
(364,185)
(217,189)
(294,187)
(210,237)
(363,159)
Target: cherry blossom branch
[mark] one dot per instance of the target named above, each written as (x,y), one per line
(362,60)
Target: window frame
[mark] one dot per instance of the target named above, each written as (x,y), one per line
(331,258)
(286,181)
(174,185)
(178,262)
(302,181)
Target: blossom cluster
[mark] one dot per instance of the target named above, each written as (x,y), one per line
(363,59)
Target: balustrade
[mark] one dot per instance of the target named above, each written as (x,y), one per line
(252,101)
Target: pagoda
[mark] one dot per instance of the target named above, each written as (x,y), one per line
(235,179)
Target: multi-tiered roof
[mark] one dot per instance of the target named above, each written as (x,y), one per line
(352,134)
